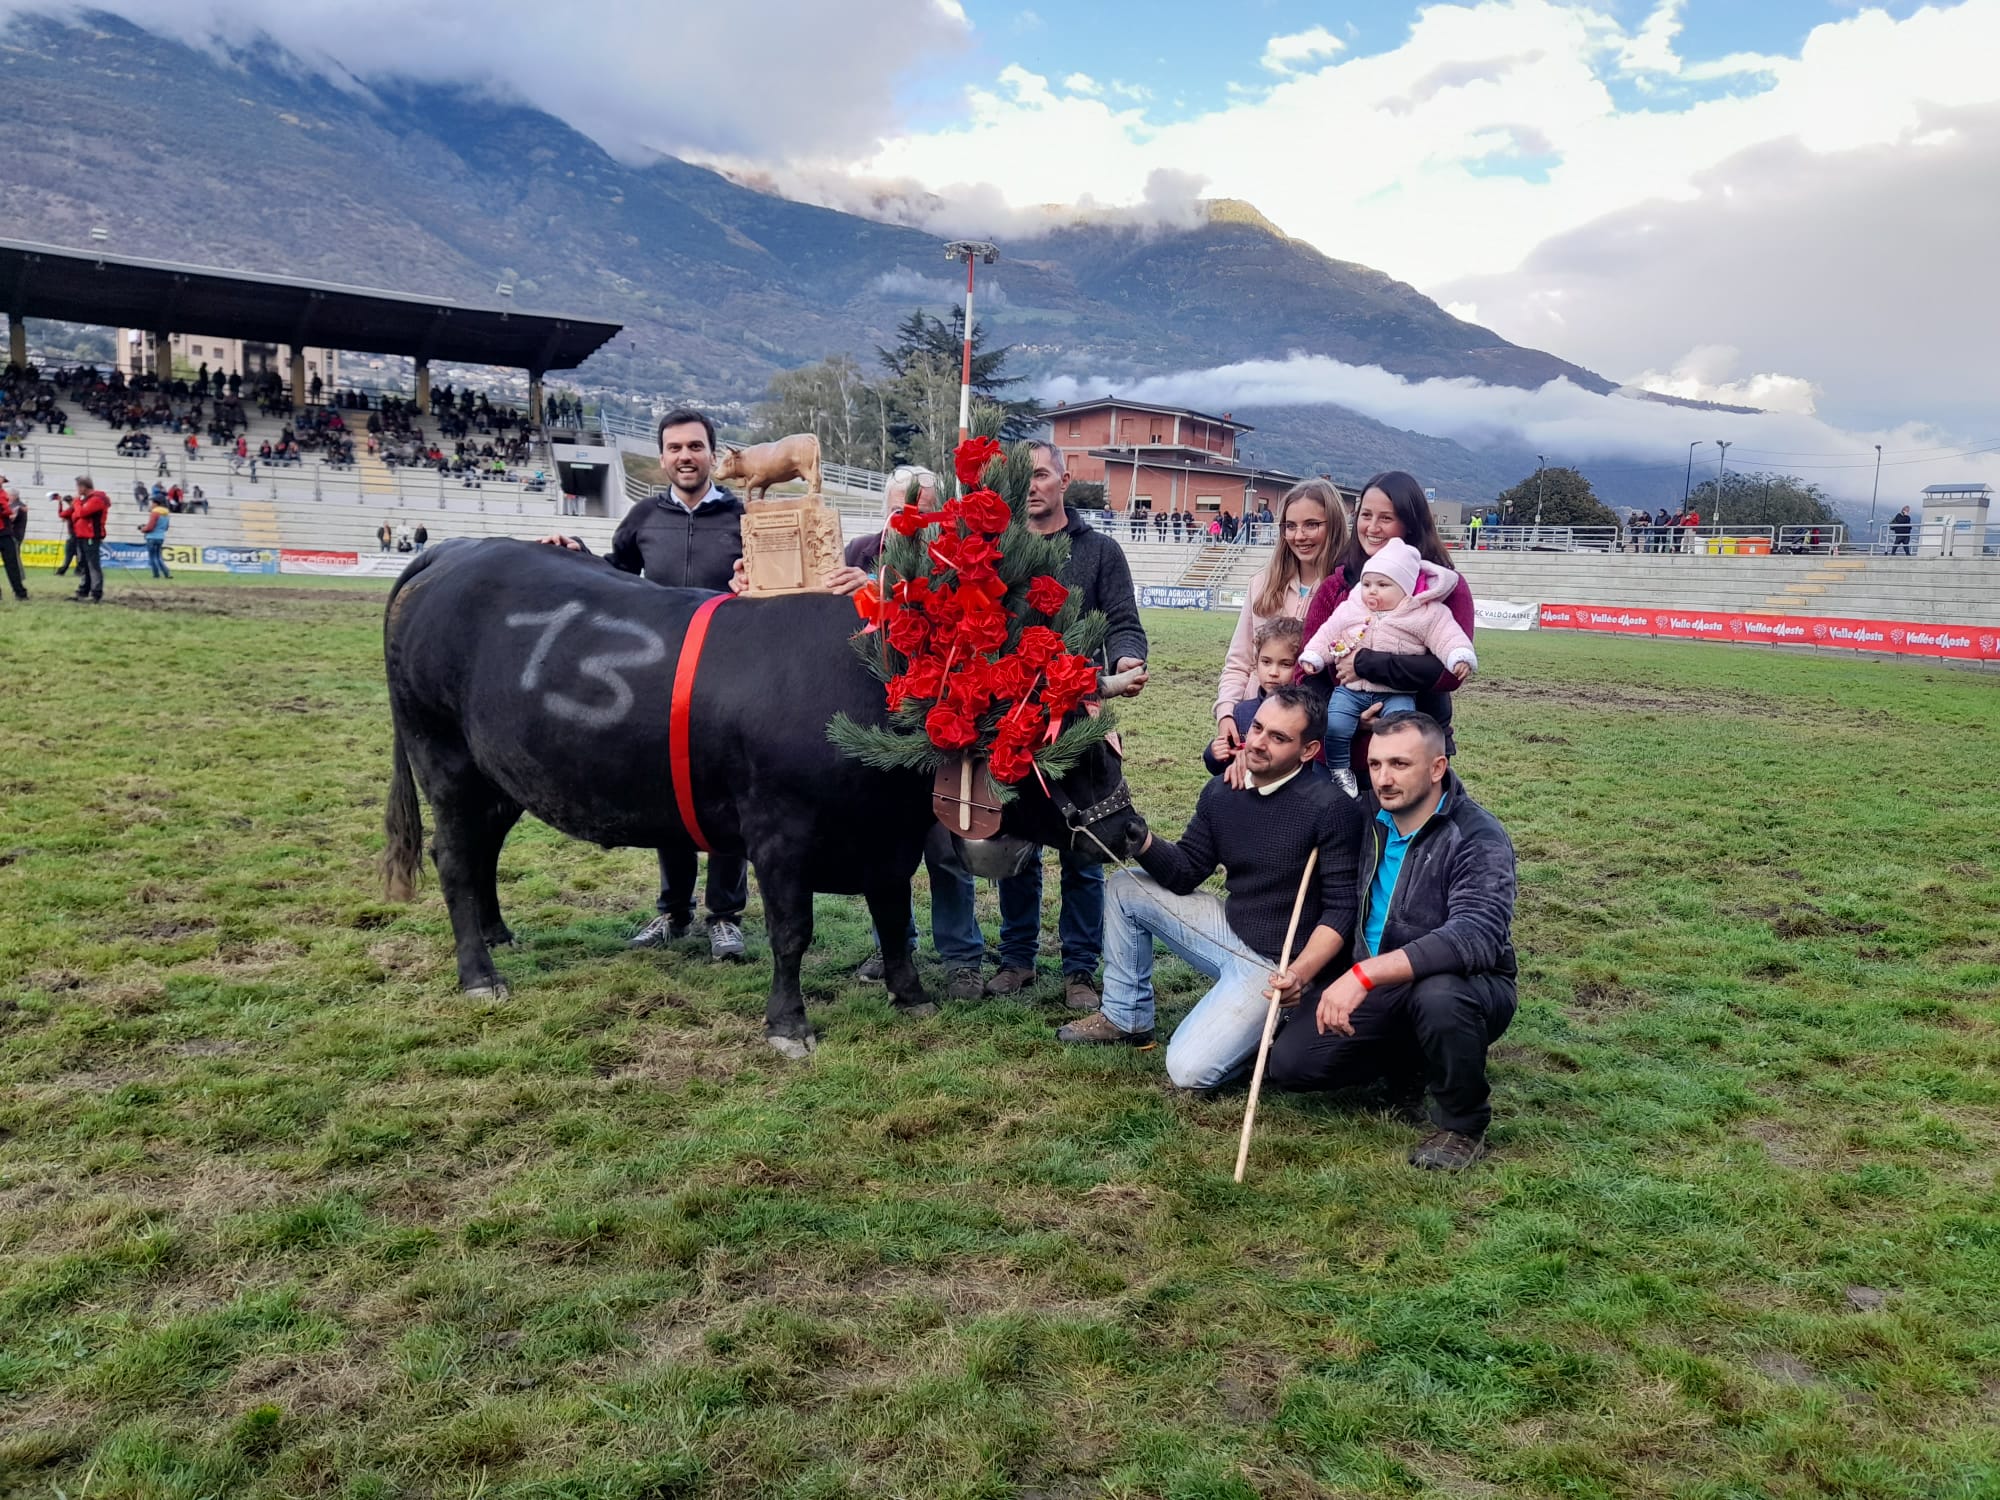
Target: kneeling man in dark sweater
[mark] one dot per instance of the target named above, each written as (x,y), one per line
(1433,985)
(1261,834)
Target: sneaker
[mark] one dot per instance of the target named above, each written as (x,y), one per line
(1079,993)
(725,939)
(659,932)
(1448,1151)
(871,971)
(963,984)
(1097,1029)
(1344,779)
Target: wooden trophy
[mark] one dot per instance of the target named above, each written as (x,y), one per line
(789,546)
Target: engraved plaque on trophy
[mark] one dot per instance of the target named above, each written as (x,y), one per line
(789,546)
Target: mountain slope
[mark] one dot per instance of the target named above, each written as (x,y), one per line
(254,162)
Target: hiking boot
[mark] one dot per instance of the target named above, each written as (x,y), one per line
(871,971)
(963,984)
(1079,993)
(1098,1029)
(1010,981)
(1448,1151)
(725,940)
(659,932)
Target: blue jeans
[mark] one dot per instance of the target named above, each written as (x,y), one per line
(155,559)
(954,925)
(1220,1034)
(1080,924)
(1344,709)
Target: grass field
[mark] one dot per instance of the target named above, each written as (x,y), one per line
(281,1214)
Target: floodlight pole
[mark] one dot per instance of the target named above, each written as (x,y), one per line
(1721,452)
(971,252)
(1687,483)
(1540,464)
(1875,492)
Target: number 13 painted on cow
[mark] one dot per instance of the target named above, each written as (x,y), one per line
(603,667)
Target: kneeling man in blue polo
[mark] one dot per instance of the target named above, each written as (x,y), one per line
(1262,835)
(1432,985)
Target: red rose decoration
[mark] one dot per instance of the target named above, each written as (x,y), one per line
(1013,678)
(985,512)
(868,603)
(909,521)
(923,678)
(970,688)
(949,729)
(972,457)
(1025,722)
(1039,646)
(1071,679)
(986,631)
(908,631)
(1047,594)
(1009,761)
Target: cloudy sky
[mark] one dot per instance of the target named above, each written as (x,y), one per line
(1786,203)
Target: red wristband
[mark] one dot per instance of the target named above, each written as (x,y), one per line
(1361,979)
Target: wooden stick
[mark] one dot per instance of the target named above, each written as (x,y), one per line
(1271,1020)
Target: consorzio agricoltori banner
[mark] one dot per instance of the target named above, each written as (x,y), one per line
(1897,637)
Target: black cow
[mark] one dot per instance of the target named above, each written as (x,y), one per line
(525,678)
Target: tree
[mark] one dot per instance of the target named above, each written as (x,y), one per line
(1566,499)
(832,401)
(1765,500)
(1083,494)
(941,344)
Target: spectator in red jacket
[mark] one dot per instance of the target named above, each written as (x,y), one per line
(86,516)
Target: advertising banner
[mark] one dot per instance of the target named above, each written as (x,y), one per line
(1172,596)
(124,555)
(1499,614)
(291,560)
(41,553)
(241,559)
(1896,637)
(181,555)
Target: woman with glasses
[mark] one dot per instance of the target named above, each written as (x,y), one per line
(1312,531)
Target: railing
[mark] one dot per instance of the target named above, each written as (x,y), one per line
(1119,524)
(1701,540)
(848,477)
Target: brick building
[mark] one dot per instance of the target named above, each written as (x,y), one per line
(1162,457)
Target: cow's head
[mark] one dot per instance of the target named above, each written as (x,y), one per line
(1089,812)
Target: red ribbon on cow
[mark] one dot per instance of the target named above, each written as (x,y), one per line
(678,731)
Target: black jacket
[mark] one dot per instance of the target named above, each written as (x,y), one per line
(659,539)
(1453,906)
(1097,566)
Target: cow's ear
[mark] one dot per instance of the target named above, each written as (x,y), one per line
(1116,743)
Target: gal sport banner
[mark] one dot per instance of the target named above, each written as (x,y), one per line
(42,553)
(1895,637)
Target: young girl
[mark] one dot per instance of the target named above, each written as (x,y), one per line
(1382,615)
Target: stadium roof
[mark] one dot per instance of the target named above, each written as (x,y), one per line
(117,291)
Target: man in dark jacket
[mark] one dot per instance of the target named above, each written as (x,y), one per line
(687,536)
(13,531)
(1433,983)
(1097,568)
(1899,529)
(1262,834)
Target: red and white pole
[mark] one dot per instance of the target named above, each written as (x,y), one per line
(971,252)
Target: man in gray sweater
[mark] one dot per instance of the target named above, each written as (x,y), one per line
(1098,568)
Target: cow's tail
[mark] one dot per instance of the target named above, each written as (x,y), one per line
(402,862)
(403,821)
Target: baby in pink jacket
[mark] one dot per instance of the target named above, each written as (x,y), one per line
(1385,613)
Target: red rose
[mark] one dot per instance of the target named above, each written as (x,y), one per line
(908,631)
(949,729)
(909,521)
(1047,595)
(972,457)
(1009,761)
(1039,646)
(986,631)
(923,677)
(1025,722)
(1013,678)
(913,591)
(970,688)
(985,512)
(1070,680)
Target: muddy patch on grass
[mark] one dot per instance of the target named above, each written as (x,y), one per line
(1781,1143)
